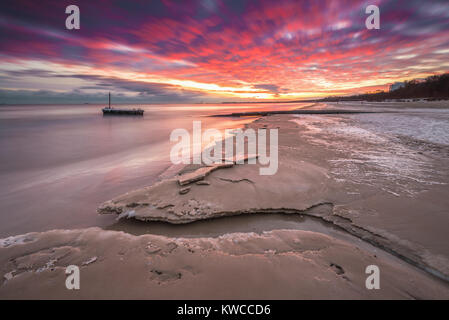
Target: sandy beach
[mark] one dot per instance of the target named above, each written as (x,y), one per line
(345,196)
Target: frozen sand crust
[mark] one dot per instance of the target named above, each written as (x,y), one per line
(235,190)
(272,265)
(304,180)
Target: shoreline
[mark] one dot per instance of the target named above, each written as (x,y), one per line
(305,186)
(165,195)
(297,111)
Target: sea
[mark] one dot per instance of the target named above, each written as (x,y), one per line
(58,163)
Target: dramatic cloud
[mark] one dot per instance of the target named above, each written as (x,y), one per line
(216,50)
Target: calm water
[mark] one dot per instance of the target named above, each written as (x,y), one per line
(58,163)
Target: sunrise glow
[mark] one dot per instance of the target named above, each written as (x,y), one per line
(218,50)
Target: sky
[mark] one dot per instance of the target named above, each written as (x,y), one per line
(215,50)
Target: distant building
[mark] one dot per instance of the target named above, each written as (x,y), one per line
(396,86)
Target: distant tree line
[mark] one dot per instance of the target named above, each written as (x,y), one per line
(433,88)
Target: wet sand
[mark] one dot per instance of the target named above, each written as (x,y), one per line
(340,201)
(281,264)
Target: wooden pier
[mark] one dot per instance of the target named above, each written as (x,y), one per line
(113,111)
